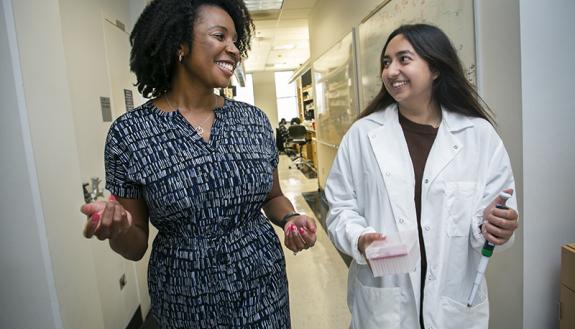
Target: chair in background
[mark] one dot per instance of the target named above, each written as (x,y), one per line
(297,136)
(281,140)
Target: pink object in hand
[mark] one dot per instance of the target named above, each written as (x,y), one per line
(391,251)
(96,217)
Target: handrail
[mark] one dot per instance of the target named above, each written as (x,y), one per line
(327,144)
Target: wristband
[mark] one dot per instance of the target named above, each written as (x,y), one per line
(289,215)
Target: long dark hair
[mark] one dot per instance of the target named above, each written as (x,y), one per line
(450,89)
(166,24)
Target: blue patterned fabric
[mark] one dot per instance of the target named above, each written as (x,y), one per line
(216,261)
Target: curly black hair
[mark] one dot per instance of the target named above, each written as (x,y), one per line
(166,24)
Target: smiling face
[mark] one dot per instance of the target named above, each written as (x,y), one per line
(214,53)
(406,76)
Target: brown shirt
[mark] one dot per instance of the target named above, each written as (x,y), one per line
(419,140)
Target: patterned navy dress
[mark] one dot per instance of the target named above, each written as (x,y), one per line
(216,261)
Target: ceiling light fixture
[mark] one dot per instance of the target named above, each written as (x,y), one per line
(258,5)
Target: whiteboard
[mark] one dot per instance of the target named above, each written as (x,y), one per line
(454,17)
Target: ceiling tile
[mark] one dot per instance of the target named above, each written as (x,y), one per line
(256,5)
(283,41)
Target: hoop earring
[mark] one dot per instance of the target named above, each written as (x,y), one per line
(180,56)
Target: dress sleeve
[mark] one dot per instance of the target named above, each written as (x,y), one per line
(116,159)
(274,154)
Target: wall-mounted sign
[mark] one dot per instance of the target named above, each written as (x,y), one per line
(106,108)
(128,99)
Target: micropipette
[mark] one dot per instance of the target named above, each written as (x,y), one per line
(486,253)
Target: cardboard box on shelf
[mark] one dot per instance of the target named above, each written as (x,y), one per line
(567,294)
(567,310)
(568,266)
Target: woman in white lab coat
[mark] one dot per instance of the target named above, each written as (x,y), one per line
(423,157)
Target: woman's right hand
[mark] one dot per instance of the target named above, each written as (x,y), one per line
(106,219)
(366,239)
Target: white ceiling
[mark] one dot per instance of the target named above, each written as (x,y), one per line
(281,39)
(256,5)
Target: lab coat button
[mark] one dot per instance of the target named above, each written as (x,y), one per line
(455,147)
(387,173)
(401,220)
(427,228)
(426,181)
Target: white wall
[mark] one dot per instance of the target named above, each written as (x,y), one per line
(136,7)
(82,31)
(265,94)
(97,59)
(548,70)
(53,135)
(331,20)
(26,266)
(499,77)
(41,233)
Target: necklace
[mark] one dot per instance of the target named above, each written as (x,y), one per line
(197,127)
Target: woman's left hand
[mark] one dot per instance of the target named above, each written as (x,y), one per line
(300,233)
(499,224)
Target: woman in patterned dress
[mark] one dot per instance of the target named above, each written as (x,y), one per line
(200,168)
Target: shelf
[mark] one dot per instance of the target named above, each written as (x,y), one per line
(305,97)
(338,85)
(337,94)
(326,76)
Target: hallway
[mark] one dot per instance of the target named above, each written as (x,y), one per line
(62,79)
(317,277)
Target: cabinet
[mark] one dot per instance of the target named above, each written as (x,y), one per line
(306,104)
(336,110)
(567,291)
(335,101)
(306,111)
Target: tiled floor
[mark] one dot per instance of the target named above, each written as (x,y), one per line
(317,277)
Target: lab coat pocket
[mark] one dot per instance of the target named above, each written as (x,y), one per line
(460,202)
(375,308)
(457,315)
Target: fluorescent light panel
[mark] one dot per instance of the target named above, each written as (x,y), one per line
(257,5)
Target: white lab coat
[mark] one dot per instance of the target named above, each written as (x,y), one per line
(371,188)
